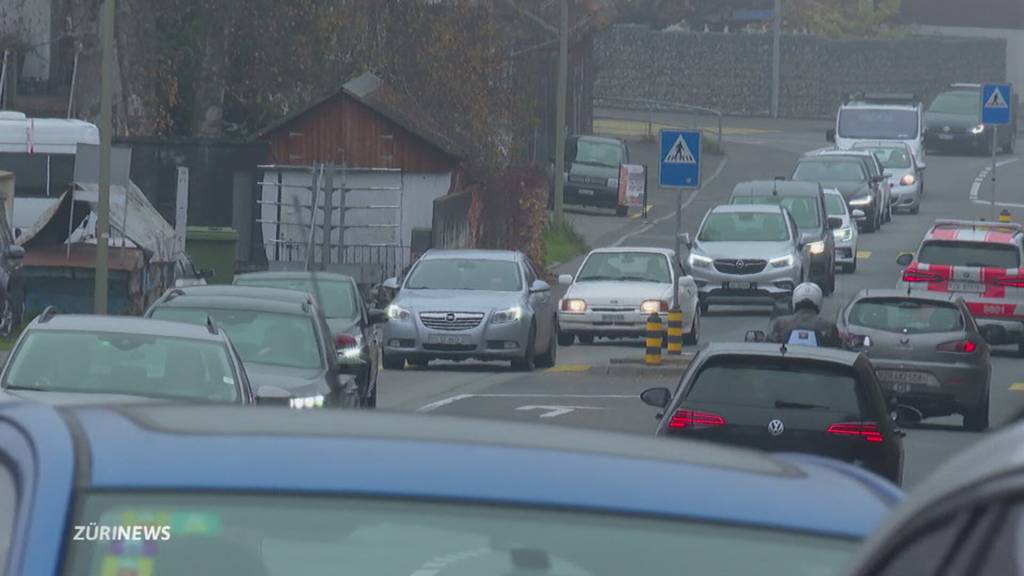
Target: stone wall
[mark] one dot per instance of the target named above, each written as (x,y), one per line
(732,72)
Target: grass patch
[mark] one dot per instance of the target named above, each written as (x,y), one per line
(7,342)
(562,242)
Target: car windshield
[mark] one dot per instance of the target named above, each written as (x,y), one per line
(287,340)
(769,383)
(132,364)
(878,123)
(835,205)
(744,227)
(283,535)
(336,299)
(957,103)
(891,157)
(625,267)
(970,254)
(907,315)
(804,209)
(830,170)
(465,274)
(600,152)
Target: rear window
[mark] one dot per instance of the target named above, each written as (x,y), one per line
(834,170)
(906,314)
(761,383)
(974,254)
(835,205)
(804,209)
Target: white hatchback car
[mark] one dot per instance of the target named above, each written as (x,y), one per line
(617,289)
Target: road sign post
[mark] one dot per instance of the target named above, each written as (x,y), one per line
(680,168)
(996,111)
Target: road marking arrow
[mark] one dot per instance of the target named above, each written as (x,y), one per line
(555,411)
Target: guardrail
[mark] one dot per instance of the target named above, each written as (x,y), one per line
(652,106)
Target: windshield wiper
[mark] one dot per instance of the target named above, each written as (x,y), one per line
(588,278)
(799,405)
(636,279)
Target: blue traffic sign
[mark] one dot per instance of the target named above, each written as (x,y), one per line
(995,103)
(680,159)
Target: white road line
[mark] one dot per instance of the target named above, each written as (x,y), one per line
(459,397)
(444,402)
(693,196)
(980,179)
(436,565)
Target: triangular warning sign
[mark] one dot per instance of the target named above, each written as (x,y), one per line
(996,100)
(680,153)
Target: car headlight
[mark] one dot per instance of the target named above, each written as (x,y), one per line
(908,180)
(513,314)
(613,182)
(816,248)
(844,234)
(978,129)
(653,306)
(305,402)
(782,262)
(574,306)
(698,261)
(862,201)
(396,312)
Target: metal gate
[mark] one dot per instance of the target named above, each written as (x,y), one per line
(326,217)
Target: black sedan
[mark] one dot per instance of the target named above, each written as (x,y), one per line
(952,123)
(280,335)
(353,326)
(784,399)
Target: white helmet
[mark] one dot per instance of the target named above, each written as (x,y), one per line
(807,293)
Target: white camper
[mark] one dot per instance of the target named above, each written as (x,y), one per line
(41,151)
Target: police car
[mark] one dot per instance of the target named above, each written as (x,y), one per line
(981,261)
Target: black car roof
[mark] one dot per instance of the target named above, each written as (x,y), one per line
(232,291)
(296,275)
(809,353)
(237,303)
(782,187)
(123,325)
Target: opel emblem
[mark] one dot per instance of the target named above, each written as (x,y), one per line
(614,301)
(776,427)
(945,128)
(904,340)
(967,274)
(450,317)
(740,264)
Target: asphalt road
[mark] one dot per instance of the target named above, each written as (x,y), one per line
(580,392)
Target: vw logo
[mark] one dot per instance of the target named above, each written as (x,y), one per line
(450,317)
(776,427)
(740,264)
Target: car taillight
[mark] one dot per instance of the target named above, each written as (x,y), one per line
(694,419)
(961,346)
(866,430)
(344,341)
(1010,281)
(919,276)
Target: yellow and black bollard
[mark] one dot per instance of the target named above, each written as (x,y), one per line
(1004,216)
(675,332)
(654,336)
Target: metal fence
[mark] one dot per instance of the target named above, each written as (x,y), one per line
(651,107)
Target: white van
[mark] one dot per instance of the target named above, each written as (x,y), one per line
(41,151)
(874,117)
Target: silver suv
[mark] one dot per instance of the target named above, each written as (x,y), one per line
(746,253)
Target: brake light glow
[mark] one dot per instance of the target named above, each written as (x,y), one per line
(867,430)
(1011,281)
(919,276)
(345,341)
(960,346)
(694,419)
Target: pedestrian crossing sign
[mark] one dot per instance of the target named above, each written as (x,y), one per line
(680,159)
(995,103)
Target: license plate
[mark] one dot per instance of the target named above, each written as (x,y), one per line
(902,377)
(945,136)
(739,285)
(966,287)
(445,339)
(613,317)
(586,192)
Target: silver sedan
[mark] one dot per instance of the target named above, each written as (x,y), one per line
(617,289)
(906,177)
(926,349)
(846,236)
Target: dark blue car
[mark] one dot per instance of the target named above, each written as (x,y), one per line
(166,490)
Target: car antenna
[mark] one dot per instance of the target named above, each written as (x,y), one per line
(783,349)
(211,327)
(775,187)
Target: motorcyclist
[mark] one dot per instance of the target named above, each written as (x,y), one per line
(805,326)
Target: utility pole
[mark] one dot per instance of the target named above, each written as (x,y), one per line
(106,128)
(563,72)
(776,55)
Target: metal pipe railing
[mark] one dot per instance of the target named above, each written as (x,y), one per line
(652,106)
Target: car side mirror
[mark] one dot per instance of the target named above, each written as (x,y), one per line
(540,286)
(834,223)
(685,240)
(905,259)
(830,135)
(858,213)
(757,336)
(207,273)
(15,252)
(656,397)
(391,283)
(272,396)
(879,179)
(565,279)
(376,316)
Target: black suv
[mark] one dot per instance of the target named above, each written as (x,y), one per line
(592,171)
(805,201)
